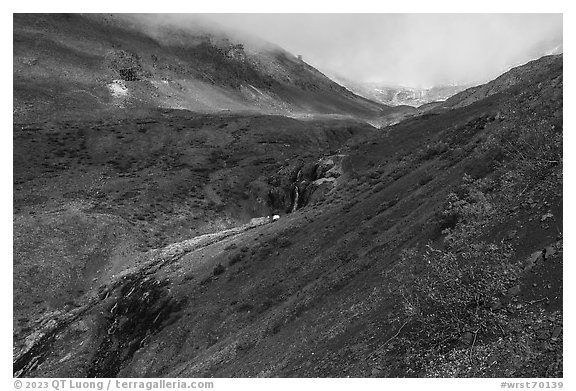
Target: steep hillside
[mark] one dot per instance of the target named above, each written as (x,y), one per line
(429,248)
(78,66)
(532,72)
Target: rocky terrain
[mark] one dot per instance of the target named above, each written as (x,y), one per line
(144,247)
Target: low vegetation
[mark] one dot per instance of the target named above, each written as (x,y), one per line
(461,312)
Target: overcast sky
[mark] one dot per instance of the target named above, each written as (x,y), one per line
(416,50)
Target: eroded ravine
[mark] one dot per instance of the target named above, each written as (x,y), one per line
(134,306)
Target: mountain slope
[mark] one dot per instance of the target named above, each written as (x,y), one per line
(430,248)
(72,65)
(89,196)
(532,72)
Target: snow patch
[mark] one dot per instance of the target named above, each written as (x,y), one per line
(118,89)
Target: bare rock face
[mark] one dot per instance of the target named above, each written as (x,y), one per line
(295,186)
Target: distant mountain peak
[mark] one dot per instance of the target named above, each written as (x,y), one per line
(395,95)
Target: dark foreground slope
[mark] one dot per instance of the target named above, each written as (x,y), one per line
(433,249)
(80,66)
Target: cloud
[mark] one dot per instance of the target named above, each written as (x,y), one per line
(419,50)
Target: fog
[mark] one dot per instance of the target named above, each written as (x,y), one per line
(415,50)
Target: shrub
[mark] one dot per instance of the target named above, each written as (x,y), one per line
(425,179)
(379,187)
(433,150)
(245,307)
(284,241)
(452,291)
(219,269)
(447,292)
(231,246)
(235,259)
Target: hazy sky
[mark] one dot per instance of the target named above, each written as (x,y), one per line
(418,50)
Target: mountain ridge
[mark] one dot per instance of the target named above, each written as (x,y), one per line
(526,73)
(131,67)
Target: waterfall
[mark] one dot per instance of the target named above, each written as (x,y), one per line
(295,204)
(296,192)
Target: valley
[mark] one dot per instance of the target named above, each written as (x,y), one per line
(409,243)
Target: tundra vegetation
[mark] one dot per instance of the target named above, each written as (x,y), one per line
(428,245)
